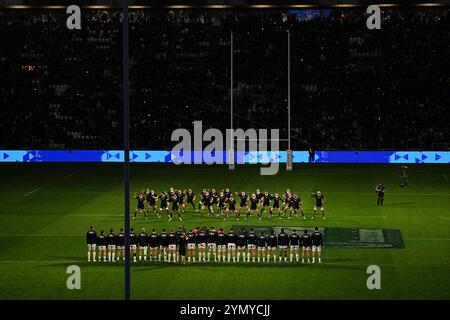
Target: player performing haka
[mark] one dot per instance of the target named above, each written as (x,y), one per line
(180,200)
(151,197)
(265,203)
(164,206)
(231,208)
(207,202)
(140,204)
(317,241)
(320,199)
(190,198)
(221,203)
(254,201)
(244,200)
(287,195)
(276,204)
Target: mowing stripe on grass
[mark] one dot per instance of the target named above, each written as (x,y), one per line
(31,192)
(69,175)
(445,177)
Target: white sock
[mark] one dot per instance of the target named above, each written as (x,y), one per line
(109,256)
(93,254)
(89,256)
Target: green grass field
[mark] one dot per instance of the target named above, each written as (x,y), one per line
(45,211)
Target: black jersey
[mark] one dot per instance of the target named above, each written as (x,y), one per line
(272,240)
(232,204)
(283,239)
(153,240)
(172,238)
(227,194)
(316,238)
(290,202)
(296,203)
(151,198)
(262,241)
(214,196)
(380,190)
(101,241)
(222,200)
(253,203)
(208,200)
(190,197)
(319,200)
(286,197)
(242,239)
(305,240)
(294,239)
(212,236)
(259,195)
(276,202)
(231,238)
(251,238)
(163,199)
(163,241)
(120,239)
(133,239)
(140,201)
(174,200)
(143,239)
(266,199)
(222,239)
(191,238)
(244,199)
(201,237)
(180,197)
(111,239)
(91,237)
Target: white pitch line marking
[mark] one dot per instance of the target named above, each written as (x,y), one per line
(37,261)
(445,177)
(428,239)
(31,192)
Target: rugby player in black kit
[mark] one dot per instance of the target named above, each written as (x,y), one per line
(153,242)
(191,241)
(242,244)
(143,244)
(91,241)
(221,245)
(283,240)
(120,245)
(140,205)
(262,240)
(172,242)
(101,244)
(201,243)
(272,246)
(231,245)
(317,241)
(294,242)
(163,245)
(212,244)
(305,242)
(133,243)
(111,246)
(320,199)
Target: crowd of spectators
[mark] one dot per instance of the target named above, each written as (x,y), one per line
(351,88)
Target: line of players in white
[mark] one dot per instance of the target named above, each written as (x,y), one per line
(207,244)
(223,202)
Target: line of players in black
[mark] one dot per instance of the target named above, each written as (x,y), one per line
(207,244)
(223,203)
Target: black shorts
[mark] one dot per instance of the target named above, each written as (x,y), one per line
(140,206)
(266,204)
(243,204)
(276,205)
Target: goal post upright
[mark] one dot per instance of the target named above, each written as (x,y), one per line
(231,165)
(289,150)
